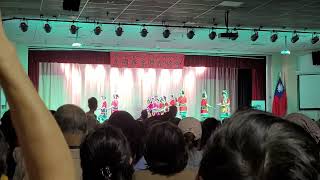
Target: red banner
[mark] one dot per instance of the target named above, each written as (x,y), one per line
(146,60)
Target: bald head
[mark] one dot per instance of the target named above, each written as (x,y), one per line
(71,119)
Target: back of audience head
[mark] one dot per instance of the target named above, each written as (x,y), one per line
(105,155)
(306,123)
(192,132)
(144,114)
(173,110)
(208,127)
(132,129)
(92,103)
(8,131)
(71,119)
(166,152)
(257,145)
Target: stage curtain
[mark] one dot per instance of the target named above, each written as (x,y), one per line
(79,57)
(62,83)
(257,66)
(244,87)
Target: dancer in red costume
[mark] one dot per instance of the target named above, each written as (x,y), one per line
(173,100)
(103,110)
(182,102)
(204,111)
(115,103)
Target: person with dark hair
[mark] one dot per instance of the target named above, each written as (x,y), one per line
(208,127)
(4,147)
(105,155)
(132,129)
(91,117)
(11,138)
(72,121)
(143,116)
(192,132)
(257,145)
(173,110)
(166,154)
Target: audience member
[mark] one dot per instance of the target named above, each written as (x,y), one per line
(11,138)
(166,153)
(306,123)
(173,110)
(143,116)
(191,129)
(257,145)
(73,124)
(91,117)
(208,127)
(4,147)
(41,141)
(105,155)
(133,130)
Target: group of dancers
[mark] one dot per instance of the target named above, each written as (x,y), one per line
(158,105)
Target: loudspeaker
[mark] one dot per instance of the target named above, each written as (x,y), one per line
(316,58)
(71,5)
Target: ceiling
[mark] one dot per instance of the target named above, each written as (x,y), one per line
(271,14)
(293,14)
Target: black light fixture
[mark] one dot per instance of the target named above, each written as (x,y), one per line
(24,26)
(144,32)
(295,37)
(315,38)
(190,34)
(73,29)
(166,33)
(235,35)
(119,31)
(212,35)
(97,30)
(255,36)
(274,37)
(47,28)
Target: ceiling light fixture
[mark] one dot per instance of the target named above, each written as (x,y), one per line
(24,26)
(97,31)
(315,38)
(295,37)
(286,51)
(73,29)
(166,33)
(119,31)
(144,32)
(190,34)
(212,35)
(274,37)
(47,28)
(255,36)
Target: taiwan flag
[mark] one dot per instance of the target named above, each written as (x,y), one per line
(279,106)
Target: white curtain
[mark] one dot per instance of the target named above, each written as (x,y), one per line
(61,83)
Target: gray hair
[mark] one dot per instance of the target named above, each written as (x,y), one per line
(71,119)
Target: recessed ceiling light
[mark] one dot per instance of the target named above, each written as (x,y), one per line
(76,44)
(231,4)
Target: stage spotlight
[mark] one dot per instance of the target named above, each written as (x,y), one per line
(255,36)
(144,32)
(166,33)
(190,34)
(235,36)
(212,35)
(24,27)
(73,29)
(315,39)
(119,31)
(274,37)
(97,30)
(47,28)
(295,38)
